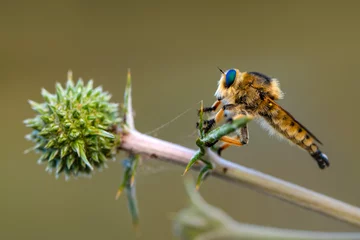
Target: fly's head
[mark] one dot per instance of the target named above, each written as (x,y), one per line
(228,85)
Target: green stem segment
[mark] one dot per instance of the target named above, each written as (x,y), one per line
(130,164)
(209,140)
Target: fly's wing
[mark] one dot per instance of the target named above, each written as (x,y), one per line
(285,124)
(297,122)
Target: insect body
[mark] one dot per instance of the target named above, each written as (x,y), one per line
(253,93)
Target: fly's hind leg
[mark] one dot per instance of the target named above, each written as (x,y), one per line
(227,142)
(241,139)
(244,134)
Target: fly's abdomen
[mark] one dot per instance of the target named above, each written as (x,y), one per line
(286,126)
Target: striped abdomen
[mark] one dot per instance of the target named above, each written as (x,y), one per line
(286,125)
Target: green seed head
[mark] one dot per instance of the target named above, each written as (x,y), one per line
(75,128)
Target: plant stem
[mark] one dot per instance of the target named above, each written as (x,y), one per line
(136,142)
(201,220)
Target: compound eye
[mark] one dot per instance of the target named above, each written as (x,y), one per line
(230,77)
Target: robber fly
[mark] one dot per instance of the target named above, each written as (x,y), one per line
(254,94)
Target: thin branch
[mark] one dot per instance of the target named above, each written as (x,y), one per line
(200,220)
(136,142)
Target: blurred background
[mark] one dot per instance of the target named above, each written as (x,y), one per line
(173,50)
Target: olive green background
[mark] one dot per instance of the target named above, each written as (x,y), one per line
(173,50)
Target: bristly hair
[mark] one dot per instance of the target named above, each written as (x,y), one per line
(221,70)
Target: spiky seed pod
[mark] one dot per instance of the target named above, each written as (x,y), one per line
(74,129)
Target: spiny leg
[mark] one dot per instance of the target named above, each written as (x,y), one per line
(242,138)
(234,141)
(244,135)
(213,121)
(244,132)
(225,145)
(213,107)
(209,139)
(218,117)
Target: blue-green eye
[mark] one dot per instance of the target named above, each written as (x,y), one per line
(230,77)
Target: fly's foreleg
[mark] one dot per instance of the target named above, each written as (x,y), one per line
(214,107)
(220,115)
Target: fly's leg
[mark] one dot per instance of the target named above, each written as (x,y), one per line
(244,133)
(209,123)
(241,139)
(225,145)
(213,107)
(201,152)
(220,115)
(219,134)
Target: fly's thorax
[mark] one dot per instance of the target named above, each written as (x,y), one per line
(250,96)
(246,79)
(269,86)
(248,100)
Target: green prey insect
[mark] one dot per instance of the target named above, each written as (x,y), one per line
(209,139)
